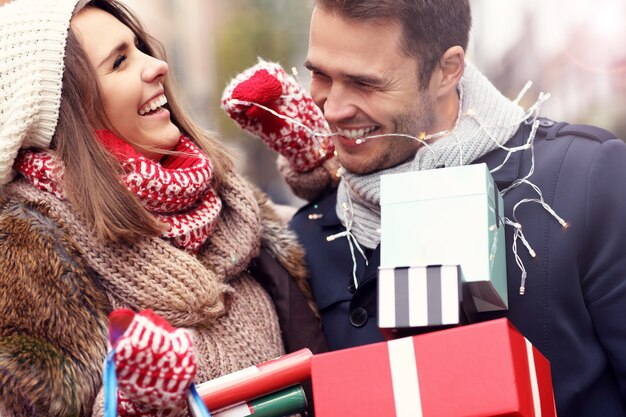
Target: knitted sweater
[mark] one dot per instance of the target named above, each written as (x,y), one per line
(58,284)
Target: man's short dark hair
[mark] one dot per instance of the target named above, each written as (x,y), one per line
(429,27)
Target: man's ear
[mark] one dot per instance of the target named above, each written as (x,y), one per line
(451,67)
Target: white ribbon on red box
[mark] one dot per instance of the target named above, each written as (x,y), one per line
(405,378)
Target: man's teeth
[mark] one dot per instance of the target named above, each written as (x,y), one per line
(355,133)
(153,105)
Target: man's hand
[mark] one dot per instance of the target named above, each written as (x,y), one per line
(270,104)
(154,362)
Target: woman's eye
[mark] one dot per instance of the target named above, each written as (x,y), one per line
(141,46)
(118,61)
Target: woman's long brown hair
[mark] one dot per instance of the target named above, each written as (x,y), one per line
(92,176)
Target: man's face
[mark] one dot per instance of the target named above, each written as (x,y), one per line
(366,86)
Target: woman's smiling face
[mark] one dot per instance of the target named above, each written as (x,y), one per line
(130,81)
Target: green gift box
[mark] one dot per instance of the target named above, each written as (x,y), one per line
(447,216)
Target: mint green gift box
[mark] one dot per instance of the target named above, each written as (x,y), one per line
(447,216)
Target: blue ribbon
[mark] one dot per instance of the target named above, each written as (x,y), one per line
(197,408)
(110,386)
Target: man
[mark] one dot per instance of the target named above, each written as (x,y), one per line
(393,69)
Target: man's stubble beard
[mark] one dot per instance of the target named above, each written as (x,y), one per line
(420,118)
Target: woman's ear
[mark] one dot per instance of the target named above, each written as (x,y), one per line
(451,66)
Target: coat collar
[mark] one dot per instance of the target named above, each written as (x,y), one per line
(510,171)
(326,207)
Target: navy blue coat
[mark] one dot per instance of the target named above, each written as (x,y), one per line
(574,309)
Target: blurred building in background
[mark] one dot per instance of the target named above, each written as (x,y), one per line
(574,50)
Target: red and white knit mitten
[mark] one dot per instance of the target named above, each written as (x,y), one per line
(267,84)
(155,364)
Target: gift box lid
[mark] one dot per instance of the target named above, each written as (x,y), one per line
(436,183)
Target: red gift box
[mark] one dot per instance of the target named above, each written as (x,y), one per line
(256,381)
(484,369)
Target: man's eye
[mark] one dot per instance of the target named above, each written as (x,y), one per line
(118,61)
(364,85)
(319,75)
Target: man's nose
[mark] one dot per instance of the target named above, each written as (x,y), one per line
(338,106)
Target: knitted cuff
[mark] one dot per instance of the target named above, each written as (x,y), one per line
(128,408)
(266,84)
(311,184)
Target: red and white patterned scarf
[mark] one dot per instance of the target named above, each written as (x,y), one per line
(176,190)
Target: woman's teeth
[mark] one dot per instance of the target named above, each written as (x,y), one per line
(355,133)
(153,105)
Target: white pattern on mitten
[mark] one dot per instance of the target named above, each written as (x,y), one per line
(155,365)
(302,136)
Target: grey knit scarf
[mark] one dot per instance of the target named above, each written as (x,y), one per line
(486,120)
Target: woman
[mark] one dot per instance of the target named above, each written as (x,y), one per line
(113,198)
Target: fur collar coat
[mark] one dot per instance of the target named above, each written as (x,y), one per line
(244,296)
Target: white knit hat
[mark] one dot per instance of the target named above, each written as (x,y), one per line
(33,35)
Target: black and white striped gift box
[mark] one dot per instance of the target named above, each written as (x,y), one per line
(420,296)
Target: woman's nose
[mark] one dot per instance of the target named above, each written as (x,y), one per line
(154,69)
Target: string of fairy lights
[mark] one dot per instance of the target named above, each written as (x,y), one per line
(530,117)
